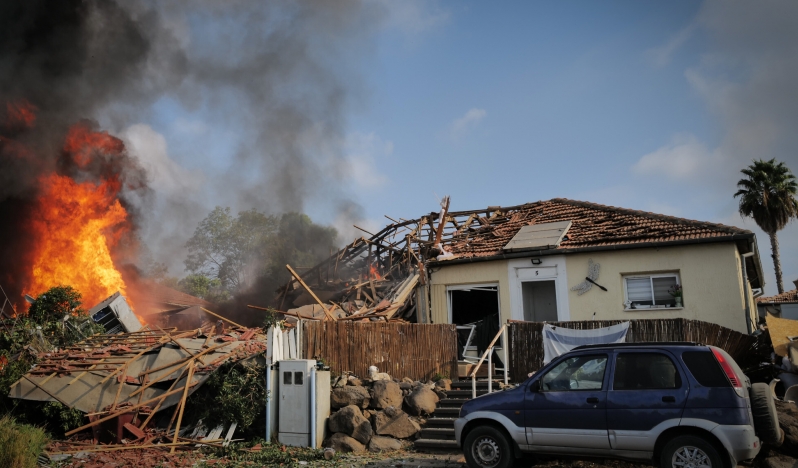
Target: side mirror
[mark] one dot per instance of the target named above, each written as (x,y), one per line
(534,386)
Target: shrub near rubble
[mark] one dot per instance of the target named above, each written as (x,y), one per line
(42,327)
(234,393)
(20,444)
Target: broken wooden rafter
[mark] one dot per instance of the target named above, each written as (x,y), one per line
(312,294)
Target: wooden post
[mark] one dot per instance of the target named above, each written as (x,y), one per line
(312,294)
(183,403)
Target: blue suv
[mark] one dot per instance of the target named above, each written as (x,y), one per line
(684,405)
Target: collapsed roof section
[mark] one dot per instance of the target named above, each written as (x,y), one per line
(357,280)
(149,370)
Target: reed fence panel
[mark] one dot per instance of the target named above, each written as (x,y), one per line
(526,340)
(418,351)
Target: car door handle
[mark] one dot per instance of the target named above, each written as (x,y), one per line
(669,399)
(592,400)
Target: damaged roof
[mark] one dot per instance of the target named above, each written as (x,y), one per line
(547,227)
(787,297)
(592,225)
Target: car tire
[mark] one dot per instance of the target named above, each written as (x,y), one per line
(766,419)
(488,447)
(690,450)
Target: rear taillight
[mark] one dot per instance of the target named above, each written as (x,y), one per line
(736,380)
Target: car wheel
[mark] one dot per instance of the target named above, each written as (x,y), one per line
(766,419)
(488,447)
(689,451)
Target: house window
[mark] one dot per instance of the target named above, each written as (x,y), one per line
(650,291)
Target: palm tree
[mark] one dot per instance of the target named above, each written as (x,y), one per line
(767,194)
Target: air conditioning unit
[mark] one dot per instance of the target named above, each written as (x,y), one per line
(304,403)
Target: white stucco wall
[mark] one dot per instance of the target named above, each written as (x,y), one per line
(710,276)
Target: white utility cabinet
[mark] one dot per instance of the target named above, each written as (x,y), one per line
(303,407)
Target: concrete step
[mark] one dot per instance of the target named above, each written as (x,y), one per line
(438,433)
(466,384)
(447,412)
(440,422)
(452,402)
(436,444)
(465,394)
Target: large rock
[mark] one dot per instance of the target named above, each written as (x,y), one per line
(395,423)
(350,421)
(385,393)
(349,395)
(775,460)
(421,401)
(341,442)
(788,420)
(444,384)
(384,444)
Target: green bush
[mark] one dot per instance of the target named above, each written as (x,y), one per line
(20,444)
(42,325)
(235,392)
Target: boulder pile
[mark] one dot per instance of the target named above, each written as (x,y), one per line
(378,414)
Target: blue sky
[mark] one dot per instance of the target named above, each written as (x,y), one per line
(644,105)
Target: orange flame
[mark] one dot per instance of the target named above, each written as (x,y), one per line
(76,225)
(373,273)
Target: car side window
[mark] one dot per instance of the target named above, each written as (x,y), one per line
(645,371)
(576,373)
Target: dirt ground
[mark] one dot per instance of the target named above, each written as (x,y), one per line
(157,458)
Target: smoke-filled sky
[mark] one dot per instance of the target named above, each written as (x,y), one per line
(351,110)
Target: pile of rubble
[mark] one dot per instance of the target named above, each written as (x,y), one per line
(379,413)
(122,381)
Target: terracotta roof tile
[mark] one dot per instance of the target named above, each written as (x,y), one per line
(784,298)
(593,225)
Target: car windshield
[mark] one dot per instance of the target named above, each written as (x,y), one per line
(576,373)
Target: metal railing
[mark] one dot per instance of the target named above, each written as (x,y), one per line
(489,354)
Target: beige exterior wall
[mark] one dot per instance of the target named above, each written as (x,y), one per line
(464,274)
(709,274)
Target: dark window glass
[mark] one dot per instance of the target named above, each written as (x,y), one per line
(576,373)
(705,369)
(645,371)
(286,378)
(298,376)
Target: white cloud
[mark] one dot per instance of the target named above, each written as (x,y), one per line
(661,56)
(685,157)
(165,175)
(462,125)
(362,151)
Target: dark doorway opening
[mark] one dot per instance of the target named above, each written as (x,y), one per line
(478,306)
(473,305)
(540,301)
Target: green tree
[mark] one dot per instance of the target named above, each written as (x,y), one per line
(767,194)
(224,247)
(203,287)
(251,249)
(60,315)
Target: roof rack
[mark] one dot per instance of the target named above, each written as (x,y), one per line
(638,344)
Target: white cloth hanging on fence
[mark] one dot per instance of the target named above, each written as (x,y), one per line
(558,340)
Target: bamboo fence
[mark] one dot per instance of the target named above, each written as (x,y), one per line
(526,341)
(418,351)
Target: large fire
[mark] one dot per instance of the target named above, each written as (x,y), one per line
(77,221)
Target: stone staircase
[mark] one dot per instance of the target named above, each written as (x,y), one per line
(438,433)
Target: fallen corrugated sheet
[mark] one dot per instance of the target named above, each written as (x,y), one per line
(106,372)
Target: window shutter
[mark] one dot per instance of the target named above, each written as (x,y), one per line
(638,289)
(661,287)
